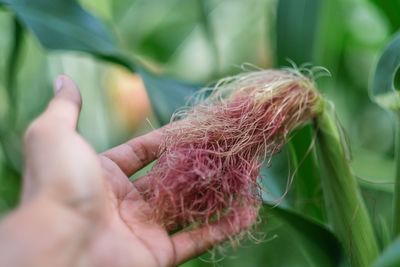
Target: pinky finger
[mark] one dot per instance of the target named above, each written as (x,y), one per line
(196,241)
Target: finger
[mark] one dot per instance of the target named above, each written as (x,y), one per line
(142,183)
(196,241)
(63,110)
(136,153)
(58,162)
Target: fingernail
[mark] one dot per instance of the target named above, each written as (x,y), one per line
(58,85)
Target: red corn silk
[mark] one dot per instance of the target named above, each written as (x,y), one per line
(211,158)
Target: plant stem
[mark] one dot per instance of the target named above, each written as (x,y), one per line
(396,196)
(345,206)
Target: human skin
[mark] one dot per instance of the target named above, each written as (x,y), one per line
(80,209)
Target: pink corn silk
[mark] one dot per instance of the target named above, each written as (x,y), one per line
(211,159)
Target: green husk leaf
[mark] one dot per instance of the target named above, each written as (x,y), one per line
(345,207)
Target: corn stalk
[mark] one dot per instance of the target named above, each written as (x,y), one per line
(346,210)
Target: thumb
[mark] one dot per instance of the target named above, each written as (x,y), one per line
(59,163)
(62,112)
(64,108)
(53,149)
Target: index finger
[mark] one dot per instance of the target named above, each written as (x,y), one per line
(136,153)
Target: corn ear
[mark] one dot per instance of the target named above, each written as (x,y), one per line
(346,210)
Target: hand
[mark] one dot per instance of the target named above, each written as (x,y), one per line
(80,209)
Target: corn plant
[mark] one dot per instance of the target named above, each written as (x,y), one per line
(323,204)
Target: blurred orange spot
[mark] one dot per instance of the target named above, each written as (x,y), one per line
(129,98)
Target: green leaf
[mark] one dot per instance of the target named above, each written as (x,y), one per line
(396,195)
(10,186)
(296,27)
(374,170)
(323,248)
(63,24)
(166,94)
(156,29)
(391,256)
(291,240)
(308,197)
(12,70)
(205,10)
(330,36)
(386,92)
(391,8)
(386,77)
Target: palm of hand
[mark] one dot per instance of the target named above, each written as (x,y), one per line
(134,239)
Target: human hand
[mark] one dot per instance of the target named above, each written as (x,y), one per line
(80,209)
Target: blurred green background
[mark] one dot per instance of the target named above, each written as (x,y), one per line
(178,46)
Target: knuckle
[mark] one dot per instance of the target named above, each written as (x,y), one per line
(31,131)
(140,151)
(195,240)
(37,129)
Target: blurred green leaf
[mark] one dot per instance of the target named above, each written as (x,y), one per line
(396,195)
(63,24)
(308,197)
(295,28)
(274,180)
(373,170)
(330,36)
(291,240)
(156,29)
(205,9)
(323,247)
(379,205)
(11,145)
(391,256)
(12,70)
(166,94)
(392,9)
(383,90)
(120,7)
(10,187)
(383,232)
